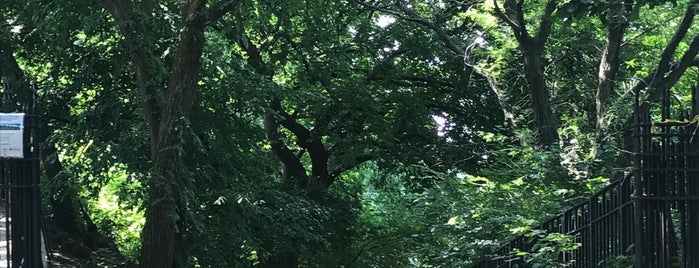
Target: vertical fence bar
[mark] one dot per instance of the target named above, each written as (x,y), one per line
(638,218)
(692,250)
(692,177)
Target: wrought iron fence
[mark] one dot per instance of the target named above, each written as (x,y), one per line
(667,179)
(20,200)
(648,219)
(602,226)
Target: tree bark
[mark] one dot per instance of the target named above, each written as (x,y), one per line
(609,67)
(162,233)
(546,125)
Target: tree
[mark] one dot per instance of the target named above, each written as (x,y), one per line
(441,18)
(338,104)
(329,133)
(167,100)
(617,19)
(617,16)
(460,38)
(532,48)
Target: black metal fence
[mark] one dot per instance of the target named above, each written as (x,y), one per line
(20,200)
(667,179)
(602,226)
(648,219)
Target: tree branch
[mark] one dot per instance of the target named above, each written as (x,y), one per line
(688,59)
(608,68)
(546,21)
(660,80)
(9,67)
(448,42)
(278,116)
(657,78)
(291,162)
(314,145)
(216,11)
(504,17)
(669,51)
(411,15)
(18,84)
(131,25)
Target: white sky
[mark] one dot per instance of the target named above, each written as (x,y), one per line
(385,21)
(441,122)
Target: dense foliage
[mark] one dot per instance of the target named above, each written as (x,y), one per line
(348,133)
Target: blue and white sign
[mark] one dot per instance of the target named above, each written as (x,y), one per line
(11,135)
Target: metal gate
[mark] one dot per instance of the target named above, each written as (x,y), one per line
(20,201)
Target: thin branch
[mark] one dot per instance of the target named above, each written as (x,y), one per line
(633,38)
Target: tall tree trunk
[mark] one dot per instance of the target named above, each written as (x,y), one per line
(546,125)
(166,112)
(532,48)
(162,233)
(609,67)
